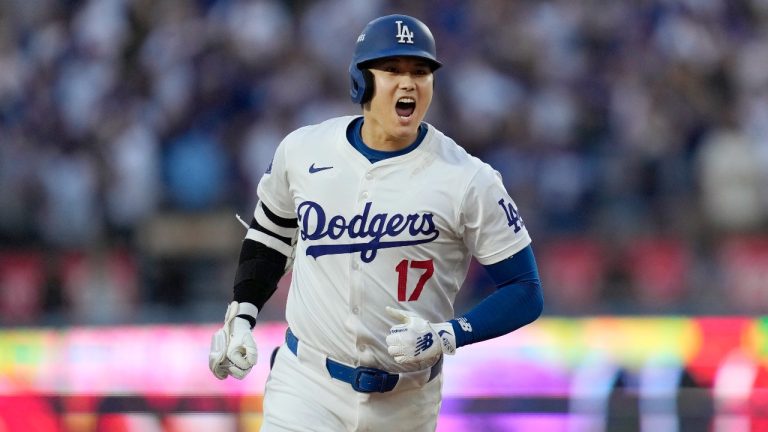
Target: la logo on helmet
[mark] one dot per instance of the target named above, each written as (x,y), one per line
(404,34)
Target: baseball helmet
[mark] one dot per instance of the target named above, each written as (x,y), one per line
(388,36)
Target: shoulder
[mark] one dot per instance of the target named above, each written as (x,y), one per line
(466,173)
(311,142)
(325,131)
(454,156)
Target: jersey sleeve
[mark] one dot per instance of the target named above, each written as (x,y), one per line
(273,189)
(489,221)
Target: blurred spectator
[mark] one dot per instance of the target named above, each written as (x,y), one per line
(259,144)
(731,181)
(134,187)
(196,171)
(71,214)
(17,187)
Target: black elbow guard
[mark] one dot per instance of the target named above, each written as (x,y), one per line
(258,273)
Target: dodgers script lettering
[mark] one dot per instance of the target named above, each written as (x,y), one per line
(411,229)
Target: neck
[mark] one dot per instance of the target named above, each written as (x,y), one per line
(377,138)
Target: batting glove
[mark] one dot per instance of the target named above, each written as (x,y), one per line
(233,350)
(418,341)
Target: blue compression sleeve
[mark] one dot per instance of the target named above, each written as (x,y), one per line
(517,302)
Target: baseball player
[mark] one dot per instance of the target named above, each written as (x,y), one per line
(379,216)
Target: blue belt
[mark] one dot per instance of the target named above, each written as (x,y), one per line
(362,379)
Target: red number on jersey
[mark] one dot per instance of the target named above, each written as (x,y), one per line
(402,278)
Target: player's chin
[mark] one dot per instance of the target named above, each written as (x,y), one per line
(407,131)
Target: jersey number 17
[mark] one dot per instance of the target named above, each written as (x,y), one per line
(402,278)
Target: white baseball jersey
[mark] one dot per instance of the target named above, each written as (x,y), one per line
(399,232)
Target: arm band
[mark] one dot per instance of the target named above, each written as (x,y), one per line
(272,230)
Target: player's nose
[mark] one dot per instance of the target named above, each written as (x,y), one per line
(406,82)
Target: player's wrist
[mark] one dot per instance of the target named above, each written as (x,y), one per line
(462,337)
(248,312)
(446,335)
(241,325)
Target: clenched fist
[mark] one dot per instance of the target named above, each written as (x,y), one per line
(233,350)
(417,341)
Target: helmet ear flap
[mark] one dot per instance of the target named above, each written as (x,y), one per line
(361,88)
(368,90)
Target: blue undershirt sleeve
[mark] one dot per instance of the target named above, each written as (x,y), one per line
(517,301)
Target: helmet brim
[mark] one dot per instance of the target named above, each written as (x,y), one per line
(365,62)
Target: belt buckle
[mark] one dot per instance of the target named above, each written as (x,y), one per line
(378,378)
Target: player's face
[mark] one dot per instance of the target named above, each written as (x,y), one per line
(401,97)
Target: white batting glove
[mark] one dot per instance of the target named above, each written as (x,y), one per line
(233,350)
(416,340)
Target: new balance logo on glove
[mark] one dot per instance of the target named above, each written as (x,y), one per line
(423,343)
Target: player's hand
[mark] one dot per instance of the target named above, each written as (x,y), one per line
(415,340)
(233,350)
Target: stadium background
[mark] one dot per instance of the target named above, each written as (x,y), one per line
(632,134)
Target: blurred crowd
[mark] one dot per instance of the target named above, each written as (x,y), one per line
(633,136)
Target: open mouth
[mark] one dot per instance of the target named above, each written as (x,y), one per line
(405,106)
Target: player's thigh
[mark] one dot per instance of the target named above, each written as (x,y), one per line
(297,399)
(414,409)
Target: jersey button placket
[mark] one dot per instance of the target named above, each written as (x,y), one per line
(365,185)
(356,275)
(354,294)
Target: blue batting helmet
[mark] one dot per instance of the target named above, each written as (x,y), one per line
(388,36)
